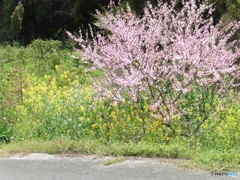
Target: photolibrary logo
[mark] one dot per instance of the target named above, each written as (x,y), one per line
(230,174)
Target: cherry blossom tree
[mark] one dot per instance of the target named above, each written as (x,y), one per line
(166,54)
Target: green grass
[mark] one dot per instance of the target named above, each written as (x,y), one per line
(203,159)
(112,161)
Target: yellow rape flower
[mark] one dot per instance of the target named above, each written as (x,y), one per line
(56,67)
(81,108)
(94,125)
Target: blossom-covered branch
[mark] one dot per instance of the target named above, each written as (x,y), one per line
(165,52)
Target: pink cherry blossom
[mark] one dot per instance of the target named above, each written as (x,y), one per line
(165,52)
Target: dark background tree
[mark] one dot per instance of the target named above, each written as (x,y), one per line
(6,9)
(16,20)
(48,19)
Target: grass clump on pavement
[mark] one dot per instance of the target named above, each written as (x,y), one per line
(214,160)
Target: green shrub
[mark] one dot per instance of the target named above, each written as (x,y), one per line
(6,132)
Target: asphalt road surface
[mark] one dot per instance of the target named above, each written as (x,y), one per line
(55,167)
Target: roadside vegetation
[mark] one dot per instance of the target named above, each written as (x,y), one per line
(51,101)
(51,107)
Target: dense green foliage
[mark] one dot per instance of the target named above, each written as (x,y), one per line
(46,94)
(51,18)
